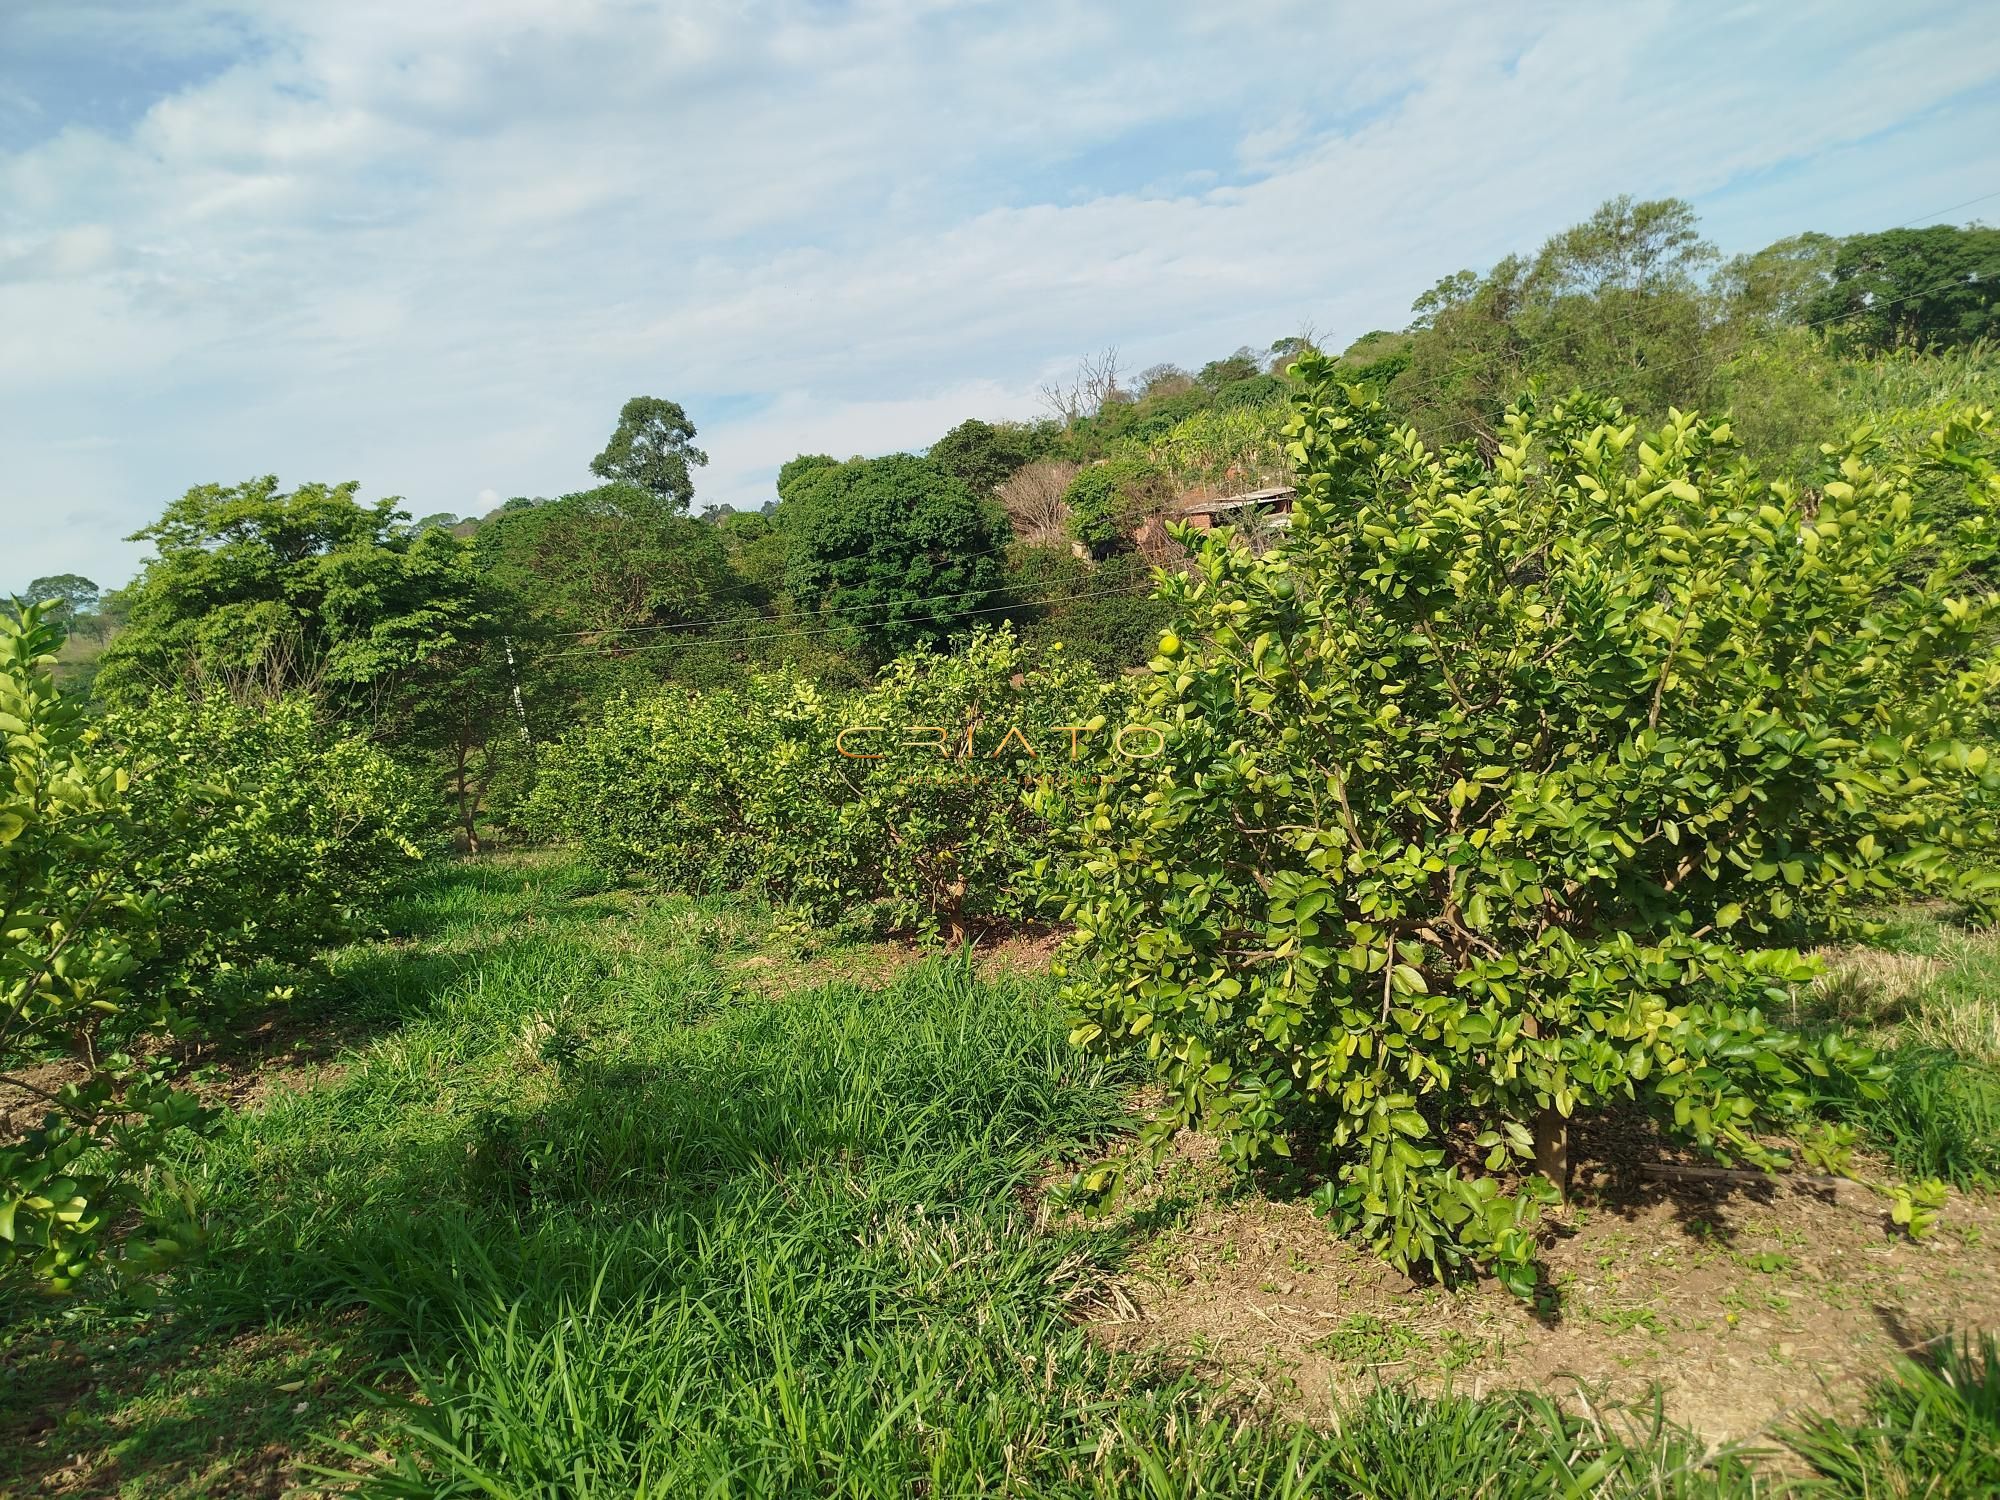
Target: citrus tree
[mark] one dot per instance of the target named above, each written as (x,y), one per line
(907,798)
(161,872)
(1493,796)
(72,932)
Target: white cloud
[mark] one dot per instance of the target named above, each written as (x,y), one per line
(434,247)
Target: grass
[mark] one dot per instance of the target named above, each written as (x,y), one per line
(582,1212)
(1930,999)
(1932,1429)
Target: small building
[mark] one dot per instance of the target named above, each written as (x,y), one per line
(1273,506)
(1266,509)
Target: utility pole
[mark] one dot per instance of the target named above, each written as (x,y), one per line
(514,681)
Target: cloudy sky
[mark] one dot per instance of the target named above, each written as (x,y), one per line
(433,246)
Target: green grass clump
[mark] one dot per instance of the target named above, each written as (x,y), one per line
(583,1214)
(1932,1428)
(1930,1000)
(639,1230)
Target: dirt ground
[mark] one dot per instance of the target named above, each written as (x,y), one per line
(1747,1303)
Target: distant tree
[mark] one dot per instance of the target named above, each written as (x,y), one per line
(1376,358)
(261,590)
(1108,501)
(1781,282)
(979,455)
(895,550)
(619,589)
(1449,295)
(1624,245)
(469,706)
(1156,412)
(610,559)
(1086,393)
(1466,355)
(1290,348)
(73,595)
(795,470)
(653,448)
(1618,303)
(1102,613)
(1921,288)
(1163,380)
(759,550)
(1033,500)
(442,518)
(1242,365)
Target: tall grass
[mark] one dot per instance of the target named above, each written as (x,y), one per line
(1932,1429)
(641,1231)
(1932,1003)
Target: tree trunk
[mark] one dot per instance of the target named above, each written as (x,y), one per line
(1552,1149)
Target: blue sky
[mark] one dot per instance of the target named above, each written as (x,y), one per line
(433,247)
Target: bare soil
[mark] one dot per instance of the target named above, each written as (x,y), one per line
(1747,1303)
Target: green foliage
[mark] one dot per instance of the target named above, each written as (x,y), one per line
(798,470)
(1103,614)
(758,549)
(1100,419)
(1474,787)
(1231,370)
(749,788)
(1783,394)
(1108,500)
(980,456)
(589,570)
(256,589)
(153,869)
(1937,1116)
(604,560)
(73,595)
(1377,358)
(71,935)
(1614,305)
(1788,387)
(652,448)
(893,550)
(1780,283)
(1228,449)
(1914,288)
(259,834)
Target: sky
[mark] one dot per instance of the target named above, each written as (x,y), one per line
(433,247)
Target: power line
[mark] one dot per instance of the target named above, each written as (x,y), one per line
(773,635)
(624,630)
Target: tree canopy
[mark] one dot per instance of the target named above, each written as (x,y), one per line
(1916,288)
(981,456)
(653,448)
(71,593)
(894,549)
(261,588)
